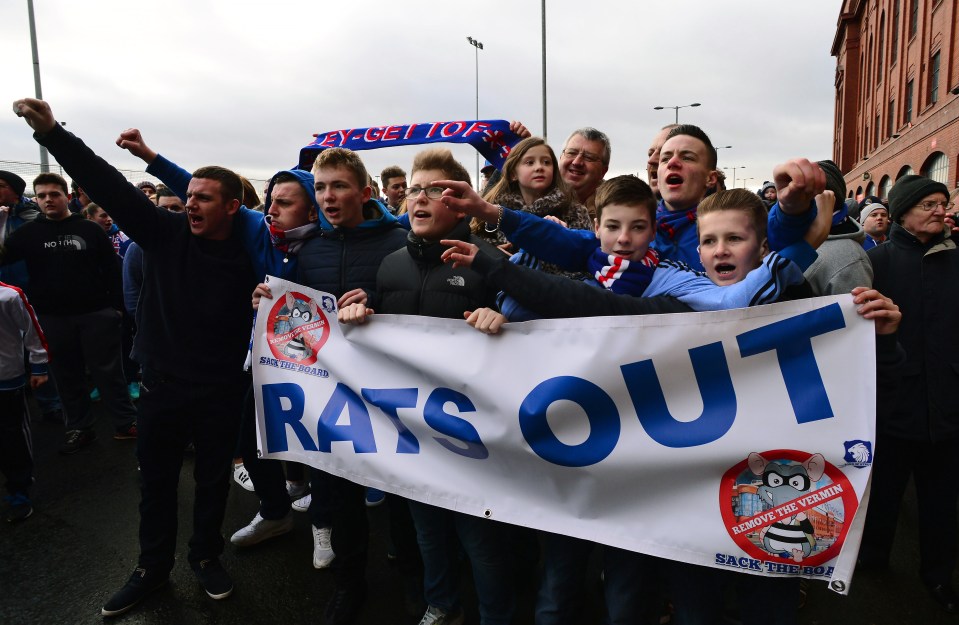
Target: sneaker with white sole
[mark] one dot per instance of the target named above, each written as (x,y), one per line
(214,579)
(140,584)
(303,503)
(260,529)
(322,547)
(296,490)
(241,477)
(436,616)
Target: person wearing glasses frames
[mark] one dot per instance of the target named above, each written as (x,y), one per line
(917,434)
(415,281)
(583,163)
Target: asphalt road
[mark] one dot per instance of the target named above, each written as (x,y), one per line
(80,545)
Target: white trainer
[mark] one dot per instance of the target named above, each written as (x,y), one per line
(435,616)
(297,489)
(241,477)
(322,547)
(302,504)
(260,529)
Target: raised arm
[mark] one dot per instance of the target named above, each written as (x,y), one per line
(136,215)
(171,174)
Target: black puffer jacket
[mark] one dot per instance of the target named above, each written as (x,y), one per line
(415,281)
(343,259)
(922,279)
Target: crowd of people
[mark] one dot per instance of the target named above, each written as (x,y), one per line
(107,271)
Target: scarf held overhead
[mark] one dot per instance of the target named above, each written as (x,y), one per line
(491,137)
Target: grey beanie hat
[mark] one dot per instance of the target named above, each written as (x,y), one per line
(868,209)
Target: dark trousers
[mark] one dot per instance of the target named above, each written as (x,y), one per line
(698,595)
(345,503)
(131,369)
(16,444)
(90,341)
(269,483)
(931,465)
(172,413)
(629,586)
(440,534)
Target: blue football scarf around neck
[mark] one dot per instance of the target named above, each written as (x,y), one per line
(623,276)
(839,215)
(668,222)
(491,137)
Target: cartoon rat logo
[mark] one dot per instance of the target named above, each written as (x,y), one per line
(794,537)
(298,314)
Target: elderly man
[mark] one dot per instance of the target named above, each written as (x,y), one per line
(583,163)
(918,433)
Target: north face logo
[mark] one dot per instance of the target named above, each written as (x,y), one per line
(456,281)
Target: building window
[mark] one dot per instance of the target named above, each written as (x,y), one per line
(905,171)
(865,141)
(914,18)
(934,79)
(884,187)
(890,118)
(882,47)
(894,53)
(908,117)
(937,168)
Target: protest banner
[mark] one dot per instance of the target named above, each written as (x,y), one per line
(739,439)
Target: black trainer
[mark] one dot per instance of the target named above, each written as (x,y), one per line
(345,604)
(140,584)
(214,579)
(77,440)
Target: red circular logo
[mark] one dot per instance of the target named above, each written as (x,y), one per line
(297,329)
(787,506)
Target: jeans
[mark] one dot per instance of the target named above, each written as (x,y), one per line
(628,588)
(485,542)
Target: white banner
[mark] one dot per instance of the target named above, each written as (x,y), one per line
(740,439)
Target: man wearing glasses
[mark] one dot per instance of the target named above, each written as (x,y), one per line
(918,435)
(583,163)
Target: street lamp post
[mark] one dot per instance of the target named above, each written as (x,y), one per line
(676,108)
(734,171)
(543,11)
(478,45)
(745,180)
(721,147)
(44,162)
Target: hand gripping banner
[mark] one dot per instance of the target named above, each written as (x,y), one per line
(740,439)
(491,137)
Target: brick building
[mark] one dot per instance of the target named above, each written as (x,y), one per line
(897,93)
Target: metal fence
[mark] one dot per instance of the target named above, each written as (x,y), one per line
(28,171)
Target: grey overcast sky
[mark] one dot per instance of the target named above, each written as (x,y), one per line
(246,83)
